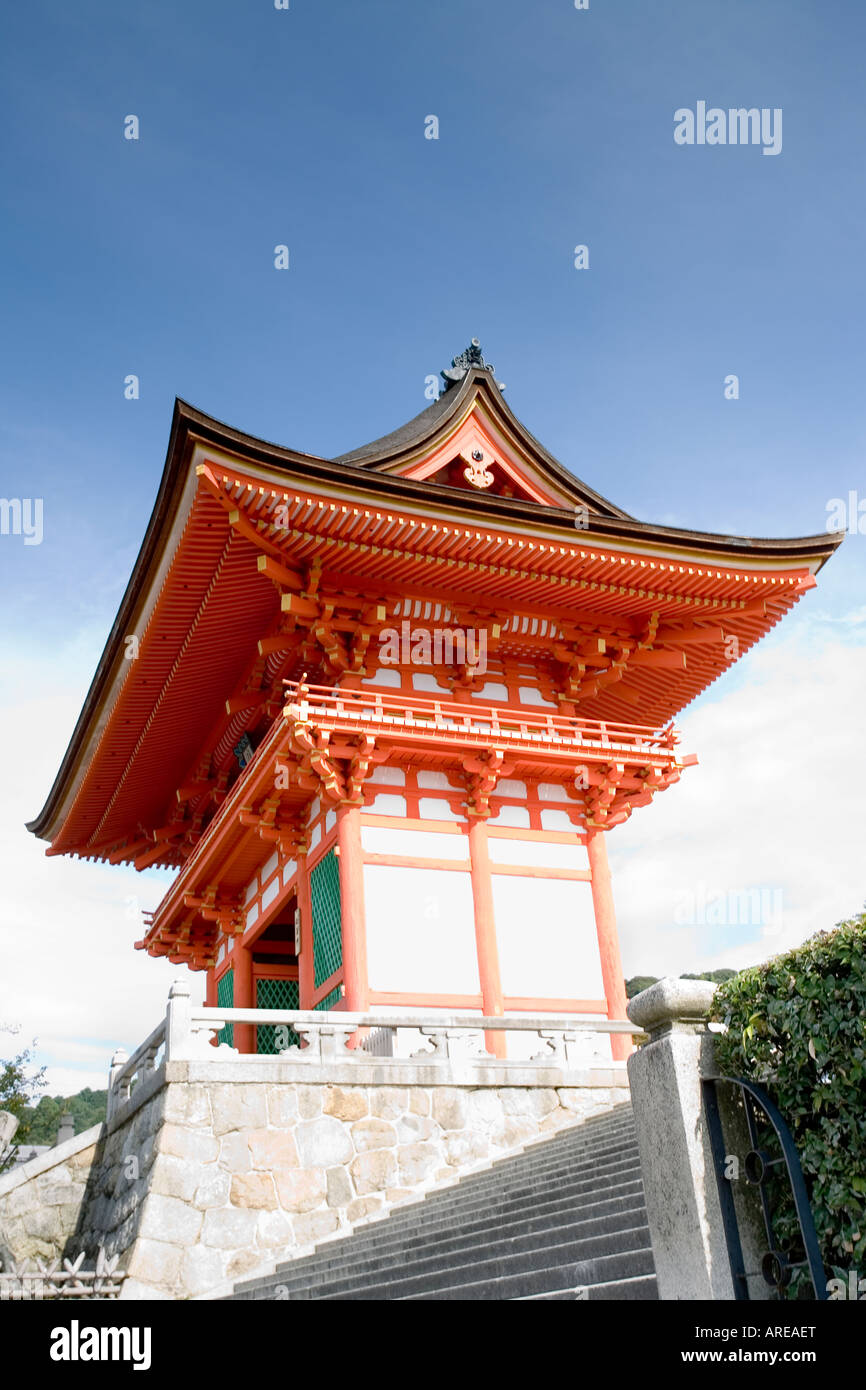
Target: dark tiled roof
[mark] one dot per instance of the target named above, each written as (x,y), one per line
(407,434)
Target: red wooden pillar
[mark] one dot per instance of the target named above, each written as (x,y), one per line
(354,923)
(608,942)
(485,932)
(306,960)
(244,1033)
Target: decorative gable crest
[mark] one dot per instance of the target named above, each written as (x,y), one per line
(478,473)
(464,363)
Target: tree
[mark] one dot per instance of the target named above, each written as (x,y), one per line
(716,977)
(86,1107)
(18,1087)
(637,983)
(641,982)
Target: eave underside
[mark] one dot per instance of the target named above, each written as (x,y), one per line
(328,743)
(248,547)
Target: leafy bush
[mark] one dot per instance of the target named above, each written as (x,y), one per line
(797,1026)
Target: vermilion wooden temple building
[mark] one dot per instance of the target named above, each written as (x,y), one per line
(380,711)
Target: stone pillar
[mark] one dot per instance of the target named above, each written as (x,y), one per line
(608,941)
(65,1129)
(683,1211)
(8,1127)
(118,1062)
(178,1024)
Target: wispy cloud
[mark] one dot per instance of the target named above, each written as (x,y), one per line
(67,926)
(775,804)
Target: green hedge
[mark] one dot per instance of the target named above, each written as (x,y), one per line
(797,1025)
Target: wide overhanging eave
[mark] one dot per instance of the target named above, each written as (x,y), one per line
(190,426)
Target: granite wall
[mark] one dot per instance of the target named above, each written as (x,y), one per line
(204,1181)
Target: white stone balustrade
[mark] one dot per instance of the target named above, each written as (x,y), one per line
(328,1034)
(349,1048)
(141,1073)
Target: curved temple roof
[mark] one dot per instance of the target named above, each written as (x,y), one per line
(414,512)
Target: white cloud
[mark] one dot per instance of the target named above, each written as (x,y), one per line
(776,802)
(70,976)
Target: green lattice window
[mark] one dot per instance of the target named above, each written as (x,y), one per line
(327,932)
(226,1000)
(331,1000)
(276,994)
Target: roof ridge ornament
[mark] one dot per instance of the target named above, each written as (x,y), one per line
(464,363)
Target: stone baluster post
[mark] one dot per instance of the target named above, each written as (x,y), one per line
(65,1129)
(118,1062)
(8,1127)
(683,1210)
(178,1023)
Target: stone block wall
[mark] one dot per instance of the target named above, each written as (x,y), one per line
(40,1201)
(212,1179)
(245,1173)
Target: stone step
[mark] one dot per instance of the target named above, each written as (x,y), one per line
(575,1136)
(484,1208)
(406,1278)
(453,1251)
(535,1175)
(507,1284)
(521,1165)
(640,1286)
(449,1209)
(586,1133)
(550,1216)
(561,1221)
(475,1188)
(547,1214)
(556,1217)
(558,1150)
(488,1203)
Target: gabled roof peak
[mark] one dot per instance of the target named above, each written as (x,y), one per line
(465,362)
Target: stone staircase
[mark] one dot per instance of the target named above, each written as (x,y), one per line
(565,1219)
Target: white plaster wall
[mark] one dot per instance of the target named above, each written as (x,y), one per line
(537,853)
(436,808)
(548,946)
(431,779)
(389,776)
(384,804)
(514,817)
(420,844)
(385,676)
(553,819)
(530,696)
(420,930)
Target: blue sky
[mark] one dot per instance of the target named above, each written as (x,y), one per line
(306,127)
